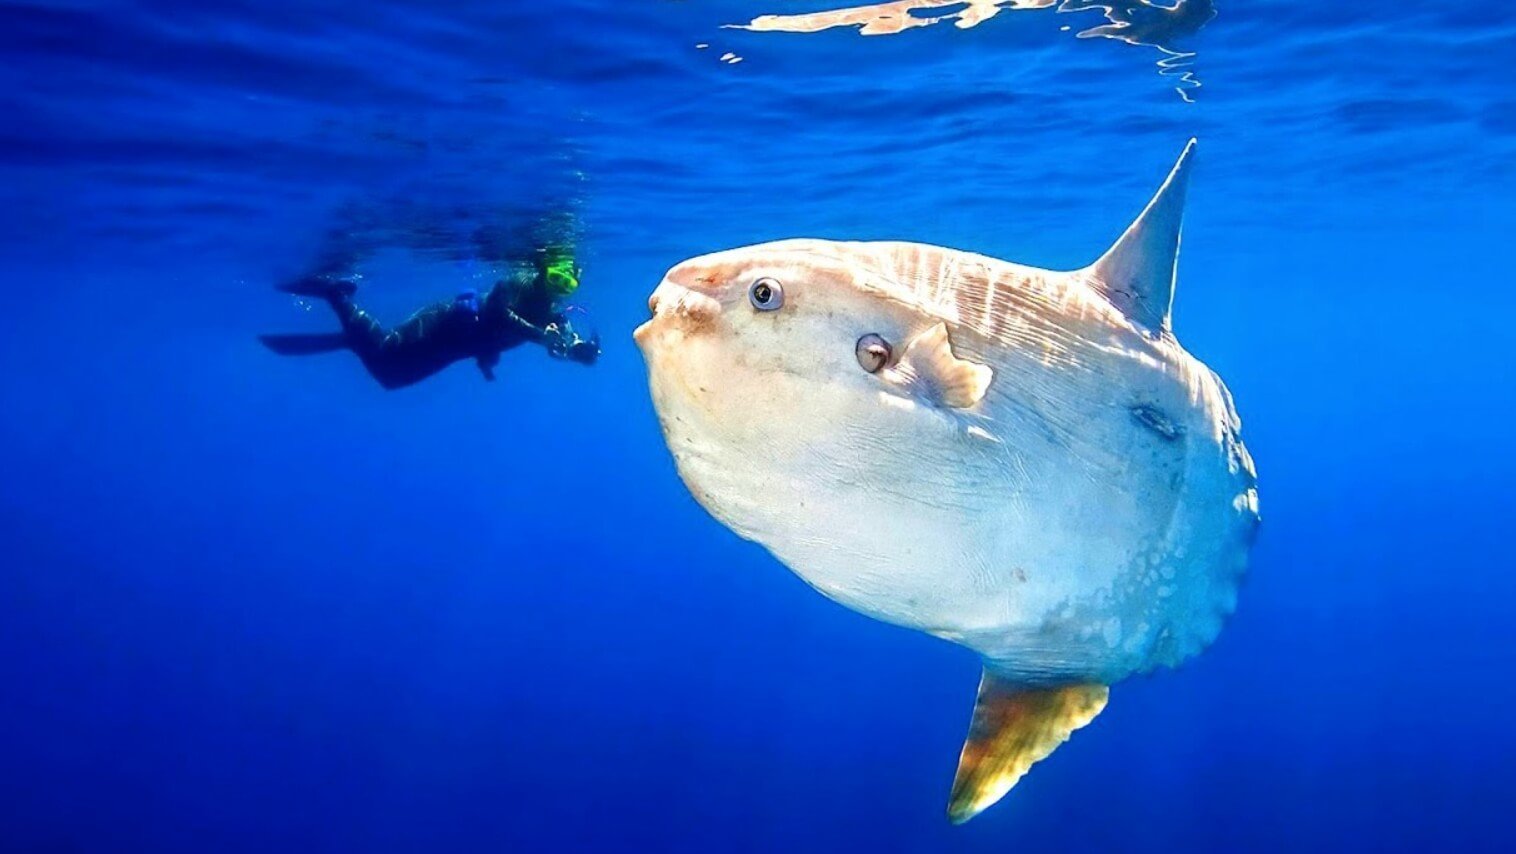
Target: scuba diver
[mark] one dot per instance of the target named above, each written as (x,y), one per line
(520,309)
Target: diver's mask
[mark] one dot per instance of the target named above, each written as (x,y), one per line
(560,273)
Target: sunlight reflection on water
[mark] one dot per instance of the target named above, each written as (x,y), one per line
(1136,22)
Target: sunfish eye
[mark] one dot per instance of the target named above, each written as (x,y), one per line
(873,353)
(766,294)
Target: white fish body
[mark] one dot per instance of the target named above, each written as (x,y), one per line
(1034,467)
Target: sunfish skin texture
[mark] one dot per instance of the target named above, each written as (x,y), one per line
(1035,468)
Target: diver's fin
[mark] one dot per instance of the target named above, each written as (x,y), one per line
(1137,274)
(929,369)
(304,345)
(319,287)
(1013,728)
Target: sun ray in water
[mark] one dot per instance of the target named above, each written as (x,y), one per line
(1136,22)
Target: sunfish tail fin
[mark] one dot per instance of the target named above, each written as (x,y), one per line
(1137,273)
(305,345)
(1013,728)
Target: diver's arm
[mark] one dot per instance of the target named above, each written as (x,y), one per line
(536,333)
(498,307)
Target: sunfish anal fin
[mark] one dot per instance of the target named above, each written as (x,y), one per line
(928,369)
(1013,728)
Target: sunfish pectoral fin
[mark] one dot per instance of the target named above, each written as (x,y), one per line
(1013,728)
(1137,273)
(928,369)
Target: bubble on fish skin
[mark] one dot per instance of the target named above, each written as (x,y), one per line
(1247,502)
(1138,641)
(1111,632)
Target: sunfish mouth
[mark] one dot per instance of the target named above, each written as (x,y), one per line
(641,333)
(678,307)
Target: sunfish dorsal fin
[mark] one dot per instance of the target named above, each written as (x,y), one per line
(929,370)
(1137,273)
(1013,728)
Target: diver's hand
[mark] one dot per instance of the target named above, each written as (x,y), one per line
(556,339)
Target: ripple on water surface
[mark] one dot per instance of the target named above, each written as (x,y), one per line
(1136,23)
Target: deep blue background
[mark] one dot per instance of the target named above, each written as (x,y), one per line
(252,604)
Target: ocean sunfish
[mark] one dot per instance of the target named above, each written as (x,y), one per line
(1022,461)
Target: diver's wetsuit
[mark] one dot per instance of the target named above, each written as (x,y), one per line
(437,336)
(440,334)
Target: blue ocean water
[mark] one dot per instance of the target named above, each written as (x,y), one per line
(257,604)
